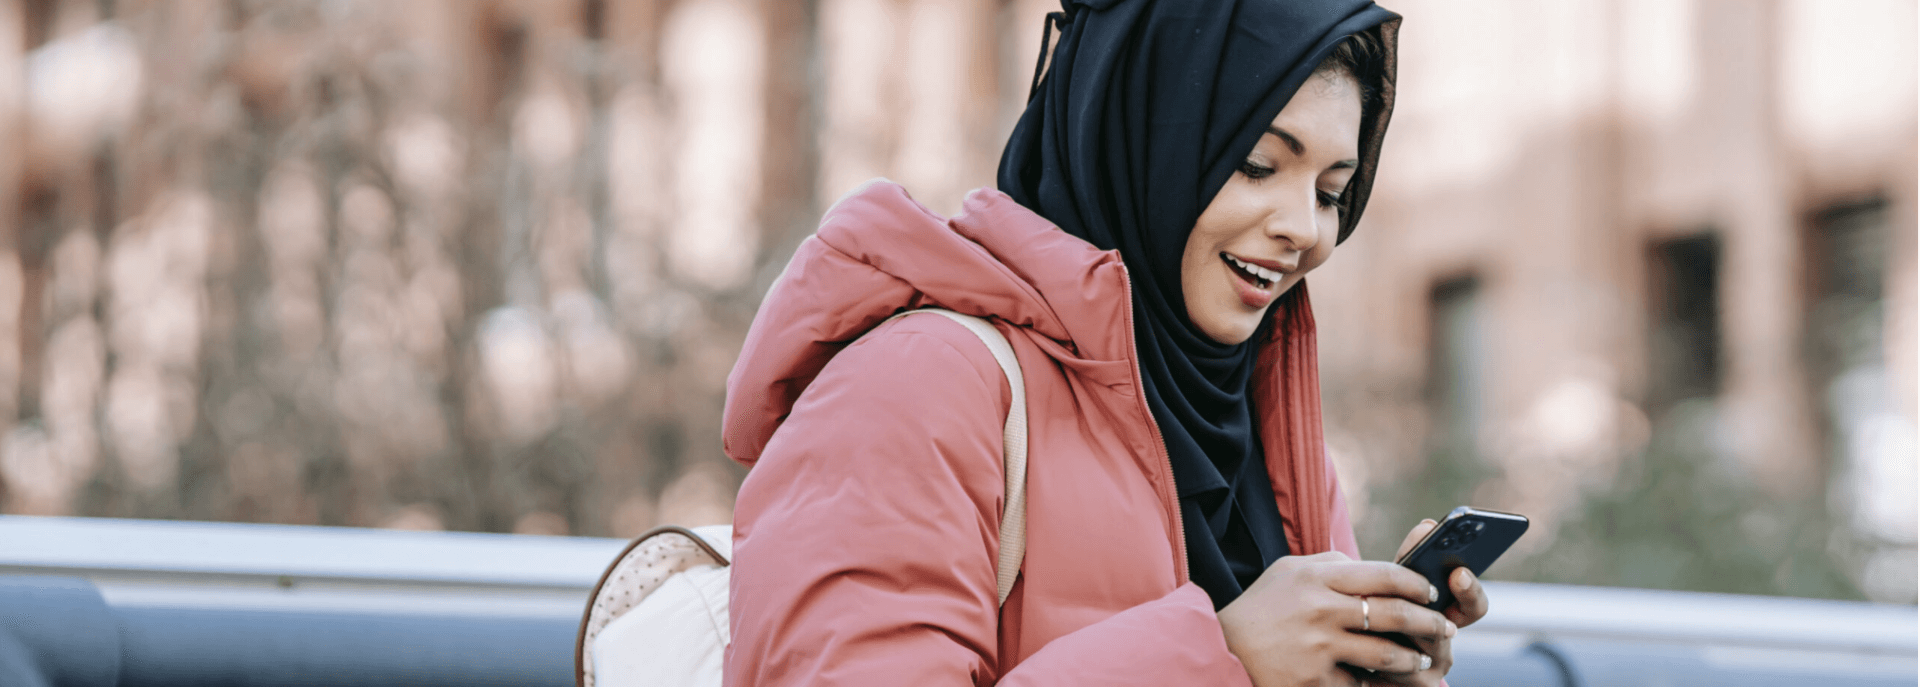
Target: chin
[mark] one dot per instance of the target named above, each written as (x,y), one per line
(1235,332)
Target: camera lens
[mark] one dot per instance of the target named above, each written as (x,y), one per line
(1446,542)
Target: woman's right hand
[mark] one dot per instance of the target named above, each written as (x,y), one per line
(1300,623)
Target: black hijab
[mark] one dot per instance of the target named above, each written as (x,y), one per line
(1148,108)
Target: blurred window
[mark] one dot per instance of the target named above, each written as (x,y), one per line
(1455,382)
(1684,361)
(1848,247)
(1870,443)
(37,18)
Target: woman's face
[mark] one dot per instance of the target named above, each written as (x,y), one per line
(1276,219)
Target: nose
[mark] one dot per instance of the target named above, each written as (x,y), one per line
(1295,219)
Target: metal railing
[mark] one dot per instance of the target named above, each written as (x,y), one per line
(106,602)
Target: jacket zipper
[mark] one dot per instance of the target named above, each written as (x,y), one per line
(1159,442)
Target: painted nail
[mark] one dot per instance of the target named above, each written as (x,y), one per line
(1426,661)
(1433,593)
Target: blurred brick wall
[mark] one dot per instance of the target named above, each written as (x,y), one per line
(484,264)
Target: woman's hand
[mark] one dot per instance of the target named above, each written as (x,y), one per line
(1301,623)
(1469,606)
(1469,600)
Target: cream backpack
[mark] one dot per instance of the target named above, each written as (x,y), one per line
(658,616)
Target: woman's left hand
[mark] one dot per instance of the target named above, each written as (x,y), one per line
(1469,606)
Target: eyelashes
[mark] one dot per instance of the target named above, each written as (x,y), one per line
(1256,171)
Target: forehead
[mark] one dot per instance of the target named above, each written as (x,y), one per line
(1325,115)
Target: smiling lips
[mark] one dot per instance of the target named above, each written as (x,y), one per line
(1255,284)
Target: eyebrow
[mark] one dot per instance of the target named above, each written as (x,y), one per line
(1299,148)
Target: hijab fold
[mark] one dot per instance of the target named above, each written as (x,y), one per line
(1146,110)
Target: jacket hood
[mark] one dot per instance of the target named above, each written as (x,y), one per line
(878,252)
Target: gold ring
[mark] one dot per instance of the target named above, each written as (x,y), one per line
(1366,623)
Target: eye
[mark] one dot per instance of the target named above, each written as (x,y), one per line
(1255,170)
(1327,200)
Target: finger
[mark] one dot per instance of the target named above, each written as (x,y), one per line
(1441,656)
(1470,599)
(1419,532)
(1330,556)
(1290,563)
(1387,614)
(1437,648)
(1440,662)
(1377,578)
(1406,679)
(1321,558)
(1348,676)
(1375,653)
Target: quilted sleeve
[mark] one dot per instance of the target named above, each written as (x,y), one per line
(865,540)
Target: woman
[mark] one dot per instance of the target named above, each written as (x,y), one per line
(1183,164)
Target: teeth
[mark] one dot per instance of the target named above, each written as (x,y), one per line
(1256,270)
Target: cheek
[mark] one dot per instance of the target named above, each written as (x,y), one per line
(1209,234)
(1226,218)
(1316,257)
(1200,284)
(1312,260)
(1196,247)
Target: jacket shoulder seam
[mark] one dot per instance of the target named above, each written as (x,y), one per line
(989,373)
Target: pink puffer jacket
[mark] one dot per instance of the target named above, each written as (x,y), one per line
(866,533)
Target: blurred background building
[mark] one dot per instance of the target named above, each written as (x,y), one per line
(1643,270)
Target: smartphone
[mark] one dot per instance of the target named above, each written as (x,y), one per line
(1467,538)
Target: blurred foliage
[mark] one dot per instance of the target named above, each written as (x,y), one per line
(1446,480)
(360,263)
(1677,520)
(1673,517)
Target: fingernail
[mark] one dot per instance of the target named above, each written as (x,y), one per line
(1466,577)
(1426,661)
(1428,521)
(1433,593)
(1452,629)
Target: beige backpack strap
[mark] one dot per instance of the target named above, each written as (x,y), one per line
(1013,517)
